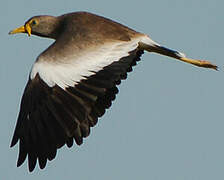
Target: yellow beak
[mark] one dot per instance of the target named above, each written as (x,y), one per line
(23,29)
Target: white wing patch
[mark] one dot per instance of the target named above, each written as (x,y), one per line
(69,71)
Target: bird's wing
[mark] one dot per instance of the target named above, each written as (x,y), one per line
(65,96)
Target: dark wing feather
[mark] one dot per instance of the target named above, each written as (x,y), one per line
(51,117)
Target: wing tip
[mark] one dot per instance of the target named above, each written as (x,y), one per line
(14,141)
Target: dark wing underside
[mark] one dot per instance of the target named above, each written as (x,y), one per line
(51,117)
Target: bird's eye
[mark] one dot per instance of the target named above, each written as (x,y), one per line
(34,22)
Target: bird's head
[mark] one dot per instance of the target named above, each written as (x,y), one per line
(44,26)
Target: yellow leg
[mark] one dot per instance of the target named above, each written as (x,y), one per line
(200,63)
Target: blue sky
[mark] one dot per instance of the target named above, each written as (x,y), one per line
(167,121)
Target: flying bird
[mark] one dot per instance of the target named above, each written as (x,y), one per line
(75,79)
